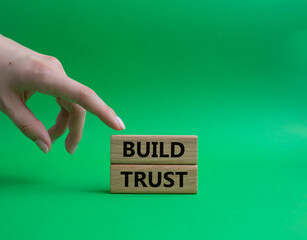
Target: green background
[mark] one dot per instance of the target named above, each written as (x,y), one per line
(232,72)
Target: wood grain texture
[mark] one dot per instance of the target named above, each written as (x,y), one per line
(153,178)
(160,149)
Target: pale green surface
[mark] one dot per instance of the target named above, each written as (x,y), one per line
(232,73)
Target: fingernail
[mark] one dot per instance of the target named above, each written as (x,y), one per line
(120,122)
(43,146)
(72,151)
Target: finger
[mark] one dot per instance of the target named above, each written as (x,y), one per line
(75,124)
(53,61)
(59,128)
(28,124)
(68,89)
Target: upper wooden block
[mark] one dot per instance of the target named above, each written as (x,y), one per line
(153,149)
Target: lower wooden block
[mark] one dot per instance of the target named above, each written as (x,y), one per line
(153,178)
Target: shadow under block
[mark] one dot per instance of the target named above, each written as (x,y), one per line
(153,178)
(153,149)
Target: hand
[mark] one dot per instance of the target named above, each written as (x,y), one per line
(24,72)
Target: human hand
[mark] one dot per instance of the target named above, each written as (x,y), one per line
(24,72)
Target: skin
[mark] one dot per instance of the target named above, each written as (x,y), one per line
(24,72)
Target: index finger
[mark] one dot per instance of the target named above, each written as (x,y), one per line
(64,87)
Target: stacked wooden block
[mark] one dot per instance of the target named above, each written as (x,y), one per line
(153,164)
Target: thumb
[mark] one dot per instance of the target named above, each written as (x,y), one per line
(28,124)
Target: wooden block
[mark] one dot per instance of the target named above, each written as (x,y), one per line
(153,178)
(153,149)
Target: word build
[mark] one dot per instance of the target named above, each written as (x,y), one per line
(153,164)
(153,149)
(156,149)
